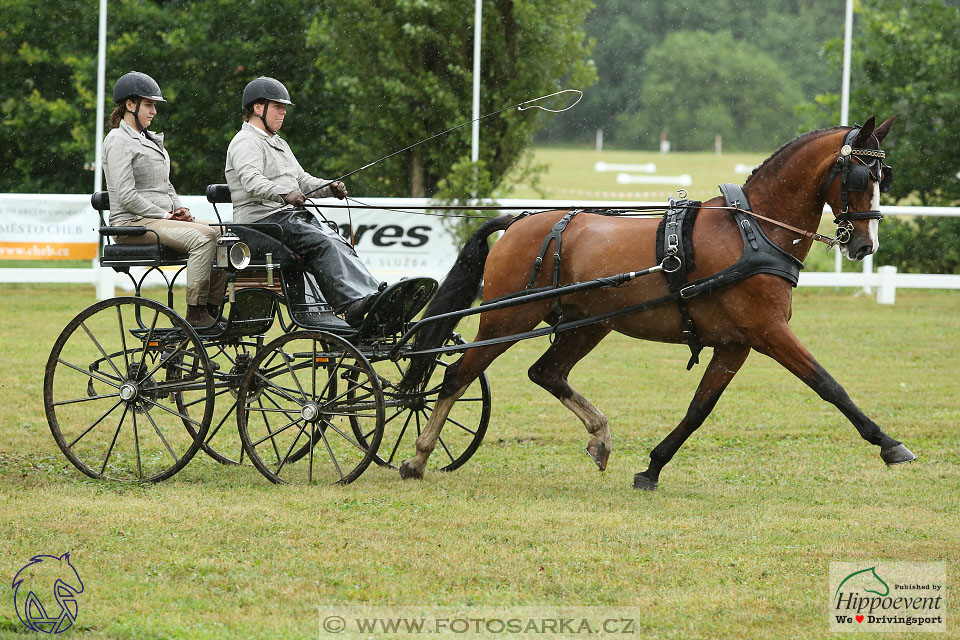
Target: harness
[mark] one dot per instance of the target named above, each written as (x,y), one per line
(856,177)
(760,255)
(675,253)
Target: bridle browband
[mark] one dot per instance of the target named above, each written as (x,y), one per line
(856,177)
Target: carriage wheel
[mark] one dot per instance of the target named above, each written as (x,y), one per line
(229,363)
(407,414)
(301,394)
(110,385)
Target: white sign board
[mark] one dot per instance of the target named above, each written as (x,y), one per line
(392,244)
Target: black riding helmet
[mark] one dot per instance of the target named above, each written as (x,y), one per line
(136,85)
(264,88)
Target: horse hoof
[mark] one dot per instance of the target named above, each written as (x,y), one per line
(897,455)
(643,483)
(408,471)
(599,453)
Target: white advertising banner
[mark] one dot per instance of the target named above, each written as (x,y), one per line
(392,244)
(47,227)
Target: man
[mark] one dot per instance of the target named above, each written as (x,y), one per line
(264,175)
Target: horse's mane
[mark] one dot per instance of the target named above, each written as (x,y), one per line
(789,145)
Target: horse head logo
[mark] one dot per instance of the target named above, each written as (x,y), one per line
(33,586)
(865,580)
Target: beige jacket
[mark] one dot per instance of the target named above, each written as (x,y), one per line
(137,170)
(262,169)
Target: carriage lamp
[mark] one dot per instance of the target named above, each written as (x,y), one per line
(232,253)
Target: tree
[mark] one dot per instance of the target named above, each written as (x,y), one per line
(903,58)
(403,73)
(788,31)
(699,84)
(907,51)
(366,78)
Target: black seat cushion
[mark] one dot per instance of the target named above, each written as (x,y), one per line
(218,193)
(141,254)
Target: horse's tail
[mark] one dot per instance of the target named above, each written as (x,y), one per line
(459,289)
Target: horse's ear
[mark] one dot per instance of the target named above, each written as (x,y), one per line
(865,132)
(882,131)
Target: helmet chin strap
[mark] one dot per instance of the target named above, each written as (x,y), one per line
(263,118)
(136,114)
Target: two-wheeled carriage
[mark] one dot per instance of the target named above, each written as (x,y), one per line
(133,392)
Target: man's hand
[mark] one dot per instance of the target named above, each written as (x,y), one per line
(338,189)
(182,215)
(296,198)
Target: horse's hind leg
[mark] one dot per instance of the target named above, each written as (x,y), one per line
(782,345)
(724,364)
(551,371)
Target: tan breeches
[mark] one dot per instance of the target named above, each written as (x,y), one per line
(198,240)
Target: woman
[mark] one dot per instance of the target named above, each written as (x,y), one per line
(137,169)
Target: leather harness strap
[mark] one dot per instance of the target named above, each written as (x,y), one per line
(675,253)
(555,234)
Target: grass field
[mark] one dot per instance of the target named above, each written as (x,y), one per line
(737,542)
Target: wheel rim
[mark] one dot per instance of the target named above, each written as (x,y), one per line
(109,389)
(302,393)
(407,414)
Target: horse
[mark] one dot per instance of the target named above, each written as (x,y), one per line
(787,193)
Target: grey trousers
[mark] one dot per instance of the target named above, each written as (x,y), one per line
(198,240)
(341,275)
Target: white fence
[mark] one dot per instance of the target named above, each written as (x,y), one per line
(394,244)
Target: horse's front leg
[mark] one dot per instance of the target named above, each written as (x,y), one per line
(724,364)
(782,345)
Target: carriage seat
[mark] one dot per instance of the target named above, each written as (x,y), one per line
(121,256)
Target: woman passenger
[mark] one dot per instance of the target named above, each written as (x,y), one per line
(137,170)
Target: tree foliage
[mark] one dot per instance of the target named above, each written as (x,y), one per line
(367,78)
(906,59)
(789,33)
(700,84)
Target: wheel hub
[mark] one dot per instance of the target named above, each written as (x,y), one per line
(310,412)
(128,391)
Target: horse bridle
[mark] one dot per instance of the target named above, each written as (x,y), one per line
(856,177)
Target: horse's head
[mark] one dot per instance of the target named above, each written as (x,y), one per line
(852,187)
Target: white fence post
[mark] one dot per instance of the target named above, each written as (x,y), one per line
(106,282)
(887,290)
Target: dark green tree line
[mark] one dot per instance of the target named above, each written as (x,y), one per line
(367,78)
(655,65)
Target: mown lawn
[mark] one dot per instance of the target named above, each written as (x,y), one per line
(737,542)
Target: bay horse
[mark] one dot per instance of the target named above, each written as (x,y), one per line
(787,193)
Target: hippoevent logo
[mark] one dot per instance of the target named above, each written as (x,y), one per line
(45,593)
(888,596)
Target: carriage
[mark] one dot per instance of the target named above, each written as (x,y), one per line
(322,401)
(132,392)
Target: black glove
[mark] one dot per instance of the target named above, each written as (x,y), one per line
(296,198)
(338,189)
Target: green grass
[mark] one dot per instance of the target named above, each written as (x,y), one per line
(570,174)
(736,543)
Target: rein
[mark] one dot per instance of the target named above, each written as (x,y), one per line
(642,211)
